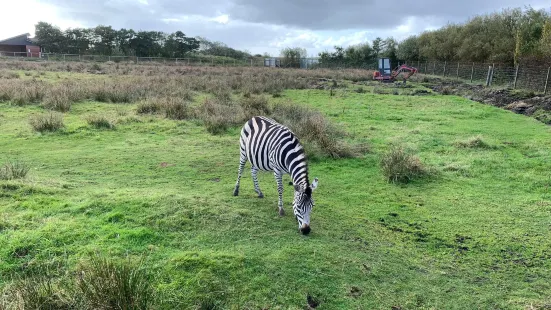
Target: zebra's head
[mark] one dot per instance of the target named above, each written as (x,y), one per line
(303,204)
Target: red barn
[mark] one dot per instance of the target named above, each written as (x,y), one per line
(21,46)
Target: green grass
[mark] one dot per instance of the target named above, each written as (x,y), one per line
(475,236)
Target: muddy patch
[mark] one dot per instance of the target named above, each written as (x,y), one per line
(518,101)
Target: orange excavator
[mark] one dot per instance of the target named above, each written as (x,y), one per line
(386,74)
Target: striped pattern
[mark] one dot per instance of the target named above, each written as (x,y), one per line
(270,146)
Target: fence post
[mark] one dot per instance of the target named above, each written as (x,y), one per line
(434,68)
(490,76)
(426,67)
(472,72)
(63,57)
(109,58)
(457,73)
(251,62)
(516,77)
(445,63)
(546,81)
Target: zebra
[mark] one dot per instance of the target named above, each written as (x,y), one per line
(270,146)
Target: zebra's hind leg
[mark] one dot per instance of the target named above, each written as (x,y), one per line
(254,173)
(279,176)
(242,162)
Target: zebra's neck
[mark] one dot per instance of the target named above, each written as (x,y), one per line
(300,175)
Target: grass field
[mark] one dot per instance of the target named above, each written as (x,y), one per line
(472,234)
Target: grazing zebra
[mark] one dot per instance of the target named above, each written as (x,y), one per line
(270,146)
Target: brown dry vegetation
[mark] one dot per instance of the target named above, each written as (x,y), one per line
(231,95)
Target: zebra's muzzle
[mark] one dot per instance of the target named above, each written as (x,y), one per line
(305,229)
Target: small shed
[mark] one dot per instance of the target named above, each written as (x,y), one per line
(20,46)
(272,62)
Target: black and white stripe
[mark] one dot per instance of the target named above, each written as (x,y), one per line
(270,146)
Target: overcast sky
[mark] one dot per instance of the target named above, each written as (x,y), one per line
(256,25)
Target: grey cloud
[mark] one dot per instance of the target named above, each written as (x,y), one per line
(253,22)
(361,14)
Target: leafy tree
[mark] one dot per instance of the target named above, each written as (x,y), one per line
(78,40)
(390,49)
(291,56)
(220,49)
(104,40)
(123,41)
(378,46)
(147,43)
(408,49)
(545,41)
(178,45)
(50,37)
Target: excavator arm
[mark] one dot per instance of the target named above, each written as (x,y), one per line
(404,68)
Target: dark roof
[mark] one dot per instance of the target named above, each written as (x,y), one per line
(22,39)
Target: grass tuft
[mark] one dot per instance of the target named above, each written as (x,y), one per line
(58,99)
(14,170)
(37,293)
(255,106)
(100,122)
(321,137)
(219,115)
(399,165)
(176,108)
(149,106)
(51,121)
(474,142)
(108,284)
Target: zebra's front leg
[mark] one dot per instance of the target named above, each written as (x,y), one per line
(278,176)
(254,173)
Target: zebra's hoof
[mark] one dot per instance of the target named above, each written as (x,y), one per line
(260,195)
(281,212)
(236,192)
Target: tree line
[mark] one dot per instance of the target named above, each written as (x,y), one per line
(362,54)
(104,40)
(510,37)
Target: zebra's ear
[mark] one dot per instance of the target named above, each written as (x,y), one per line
(315,184)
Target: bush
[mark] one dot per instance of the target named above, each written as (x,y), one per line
(176,108)
(22,92)
(447,90)
(107,284)
(313,128)
(100,122)
(400,166)
(13,170)
(255,106)
(150,106)
(96,67)
(57,99)
(218,116)
(51,121)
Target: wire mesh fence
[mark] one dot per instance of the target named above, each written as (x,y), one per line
(534,78)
